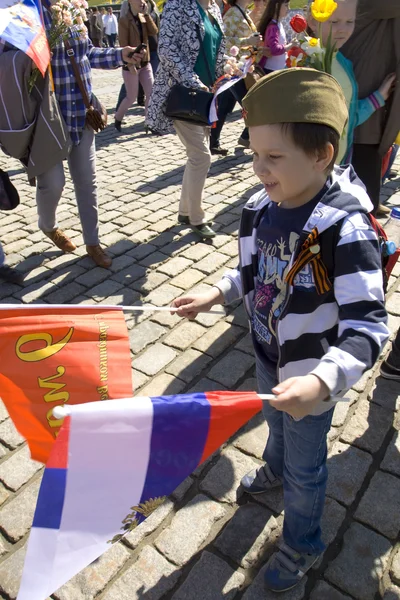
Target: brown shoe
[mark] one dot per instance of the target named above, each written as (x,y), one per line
(383,211)
(62,241)
(99,256)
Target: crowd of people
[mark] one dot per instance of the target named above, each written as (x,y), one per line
(310,265)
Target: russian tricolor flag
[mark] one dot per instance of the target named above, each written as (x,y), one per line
(110,456)
(21,25)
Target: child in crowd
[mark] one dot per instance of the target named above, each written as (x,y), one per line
(310,277)
(342,23)
(271,29)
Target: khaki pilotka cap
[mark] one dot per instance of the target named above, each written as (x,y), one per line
(296,95)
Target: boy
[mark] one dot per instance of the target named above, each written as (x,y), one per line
(312,291)
(341,24)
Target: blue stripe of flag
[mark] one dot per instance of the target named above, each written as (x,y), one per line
(51,499)
(180,429)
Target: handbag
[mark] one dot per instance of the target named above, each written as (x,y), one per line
(9,197)
(96,113)
(190,104)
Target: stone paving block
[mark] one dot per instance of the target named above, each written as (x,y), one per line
(189,529)
(166,319)
(164,295)
(138,380)
(18,469)
(245,537)
(154,359)
(223,479)
(16,517)
(35,292)
(9,436)
(223,583)
(187,279)
(253,437)
(142,250)
(188,365)
(208,319)
(182,489)
(386,393)
(340,413)
(197,252)
(257,590)
(395,567)
(393,304)
(387,519)
(391,460)
(231,368)
(332,518)
(3,411)
(11,573)
(361,384)
(93,277)
(324,591)
(174,266)
(147,284)
(144,334)
(365,553)
(129,275)
(392,592)
(184,335)
(65,294)
(105,290)
(368,426)
(133,539)
(154,260)
(211,263)
(149,578)
(206,385)
(4,494)
(249,385)
(239,317)
(246,345)
(163,384)
(347,468)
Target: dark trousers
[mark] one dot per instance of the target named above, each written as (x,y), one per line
(226,105)
(112,38)
(367,163)
(394,357)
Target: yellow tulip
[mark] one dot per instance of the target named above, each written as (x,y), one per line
(322,10)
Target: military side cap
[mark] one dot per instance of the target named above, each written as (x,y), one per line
(296,95)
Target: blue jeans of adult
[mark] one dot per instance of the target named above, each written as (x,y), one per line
(2,256)
(154,61)
(112,38)
(297,451)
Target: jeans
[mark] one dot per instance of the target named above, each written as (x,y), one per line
(297,451)
(50,185)
(154,61)
(2,257)
(112,38)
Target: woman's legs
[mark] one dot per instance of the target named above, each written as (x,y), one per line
(195,138)
(131,81)
(146,79)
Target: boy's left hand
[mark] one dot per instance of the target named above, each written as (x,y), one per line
(298,396)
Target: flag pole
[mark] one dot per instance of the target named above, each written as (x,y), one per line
(83,307)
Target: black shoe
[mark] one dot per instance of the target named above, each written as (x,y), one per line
(390,372)
(117,125)
(203,230)
(219,150)
(11,275)
(183,220)
(141,101)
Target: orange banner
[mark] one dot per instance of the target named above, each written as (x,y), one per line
(69,356)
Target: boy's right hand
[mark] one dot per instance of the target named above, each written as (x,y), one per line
(387,86)
(190,306)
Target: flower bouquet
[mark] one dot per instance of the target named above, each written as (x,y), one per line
(65,15)
(309,51)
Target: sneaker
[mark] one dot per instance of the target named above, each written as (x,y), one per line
(203,230)
(61,240)
(243,142)
(286,568)
(99,256)
(219,150)
(11,275)
(183,220)
(389,372)
(260,480)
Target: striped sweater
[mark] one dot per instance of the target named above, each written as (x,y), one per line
(336,335)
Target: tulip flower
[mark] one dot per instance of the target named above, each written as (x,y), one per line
(322,10)
(298,23)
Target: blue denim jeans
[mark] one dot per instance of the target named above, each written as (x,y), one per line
(297,451)
(2,257)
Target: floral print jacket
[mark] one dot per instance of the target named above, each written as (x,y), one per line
(178,49)
(237,28)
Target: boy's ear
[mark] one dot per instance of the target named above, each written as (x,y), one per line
(324,157)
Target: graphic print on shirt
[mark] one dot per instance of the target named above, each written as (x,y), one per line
(273,263)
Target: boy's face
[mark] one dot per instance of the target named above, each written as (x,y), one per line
(289,175)
(342,23)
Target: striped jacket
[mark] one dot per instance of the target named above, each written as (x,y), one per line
(336,335)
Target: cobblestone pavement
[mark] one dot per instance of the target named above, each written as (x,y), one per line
(199,544)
